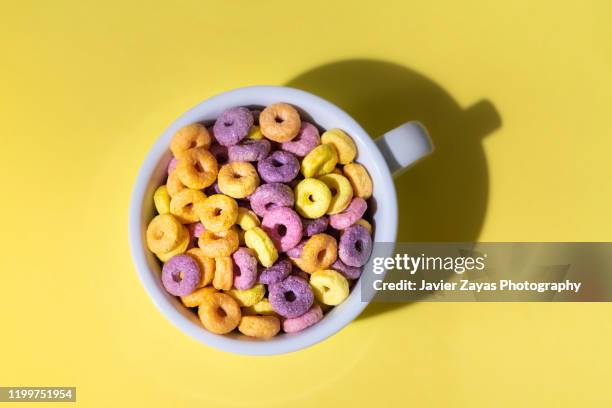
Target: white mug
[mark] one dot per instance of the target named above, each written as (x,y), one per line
(387,156)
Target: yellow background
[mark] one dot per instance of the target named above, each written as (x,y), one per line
(86,87)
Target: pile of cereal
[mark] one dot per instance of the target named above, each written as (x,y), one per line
(260,221)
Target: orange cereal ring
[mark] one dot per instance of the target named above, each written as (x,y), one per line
(238,179)
(164,233)
(206,264)
(218,212)
(189,137)
(261,327)
(280,122)
(360,180)
(184,203)
(219,313)
(319,252)
(224,273)
(197,168)
(174,184)
(216,244)
(197,297)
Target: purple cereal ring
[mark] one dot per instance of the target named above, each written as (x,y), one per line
(196,229)
(249,150)
(180,275)
(349,272)
(306,140)
(245,270)
(296,251)
(350,215)
(283,226)
(272,195)
(355,246)
(299,323)
(276,273)
(279,167)
(291,297)
(233,125)
(220,153)
(172,164)
(316,226)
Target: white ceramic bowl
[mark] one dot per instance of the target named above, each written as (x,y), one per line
(390,154)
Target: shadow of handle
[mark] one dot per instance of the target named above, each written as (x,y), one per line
(404,146)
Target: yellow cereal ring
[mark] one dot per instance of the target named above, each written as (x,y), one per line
(196,168)
(329,286)
(238,179)
(320,161)
(264,248)
(218,212)
(219,313)
(189,137)
(263,307)
(320,251)
(161,199)
(197,297)
(341,191)
(174,184)
(164,233)
(224,273)
(180,248)
(365,224)
(255,133)
(261,327)
(344,145)
(280,122)
(247,219)
(184,203)
(312,198)
(360,180)
(248,297)
(217,244)
(206,264)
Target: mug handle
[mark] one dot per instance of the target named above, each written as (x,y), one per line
(405,145)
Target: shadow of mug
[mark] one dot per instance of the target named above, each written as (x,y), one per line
(444,197)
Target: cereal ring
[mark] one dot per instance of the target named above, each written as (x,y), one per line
(268,196)
(196,298)
(189,137)
(341,190)
(248,297)
(299,323)
(329,287)
(172,165)
(245,271)
(238,179)
(279,167)
(218,212)
(161,199)
(180,275)
(263,307)
(315,226)
(360,180)
(355,246)
(233,125)
(292,297)
(221,153)
(349,272)
(249,151)
(196,229)
(350,215)
(257,239)
(276,273)
(306,140)
(279,122)
(312,198)
(224,273)
(344,145)
(179,249)
(320,161)
(320,251)
(219,313)
(283,226)
(164,233)
(174,184)
(184,204)
(197,168)
(260,327)
(246,219)
(296,251)
(255,132)
(217,244)
(206,265)
(365,224)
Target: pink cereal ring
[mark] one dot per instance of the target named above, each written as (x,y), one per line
(283,226)
(306,140)
(299,323)
(172,165)
(245,271)
(350,215)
